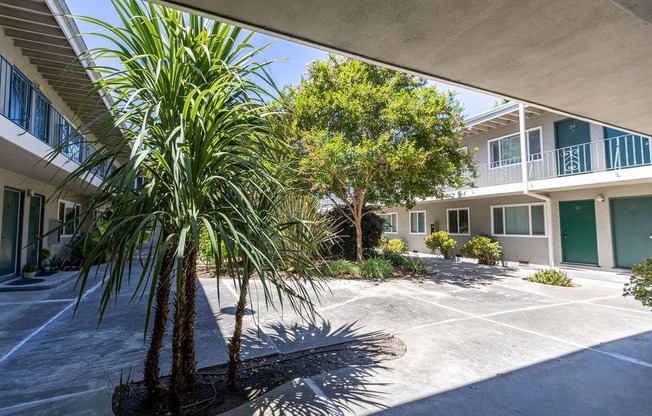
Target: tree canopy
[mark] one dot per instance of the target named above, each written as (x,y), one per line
(367,134)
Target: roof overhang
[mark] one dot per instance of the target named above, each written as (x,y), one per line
(497,117)
(589,59)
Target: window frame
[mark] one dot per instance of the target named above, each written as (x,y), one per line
(424,221)
(500,164)
(395,223)
(76,210)
(448,225)
(529,205)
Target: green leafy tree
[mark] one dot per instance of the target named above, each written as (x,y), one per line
(367,134)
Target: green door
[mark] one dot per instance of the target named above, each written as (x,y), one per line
(631,224)
(34,229)
(573,139)
(579,243)
(10,232)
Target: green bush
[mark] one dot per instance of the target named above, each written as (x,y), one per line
(375,268)
(640,283)
(441,241)
(341,267)
(395,245)
(415,265)
(372,231)
(551,277)
(397,260)
(483,248)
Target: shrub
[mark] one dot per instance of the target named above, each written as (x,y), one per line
(205,253)
(441,241)
(372,231)
(377,268)
(551,277)
(397,260)
(640,283)
(415,265)
(483,248)
(341,267)
(395,245)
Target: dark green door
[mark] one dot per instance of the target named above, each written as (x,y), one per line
(10,232)
(573,139)
(579,243)
(34,229)
(631,224)
(623,150)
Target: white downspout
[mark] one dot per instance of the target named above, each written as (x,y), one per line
(526,191)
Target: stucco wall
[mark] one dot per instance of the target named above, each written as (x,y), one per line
(516,248)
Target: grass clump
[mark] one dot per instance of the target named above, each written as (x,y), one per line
(341,267)
(414,265)
(375,268)
(551,277)
(397,260)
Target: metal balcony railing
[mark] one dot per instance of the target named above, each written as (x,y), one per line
(23,104)
(614,153)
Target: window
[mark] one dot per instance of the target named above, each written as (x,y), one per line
(68,217)
(417,222)
(20,99)
(391,224)
(526,219)
(507,150)
(41,118)
(458,221)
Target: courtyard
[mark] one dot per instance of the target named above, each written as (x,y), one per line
(480,340)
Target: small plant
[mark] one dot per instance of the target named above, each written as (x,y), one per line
(46,254)
(551,277)
(640,283)
(397,260)
(395,245)
(377,268)
(29,271)
(483,248)
(443,242)
(415,265)
(341,267)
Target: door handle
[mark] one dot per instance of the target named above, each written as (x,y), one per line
(565,234)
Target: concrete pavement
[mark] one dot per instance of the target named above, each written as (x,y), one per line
(480,341)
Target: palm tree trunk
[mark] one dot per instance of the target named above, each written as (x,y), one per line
(152,371)
(235,342)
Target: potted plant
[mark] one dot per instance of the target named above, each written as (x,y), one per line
(29,271)
(46,264)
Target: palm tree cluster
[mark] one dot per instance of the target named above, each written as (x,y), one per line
(190,98)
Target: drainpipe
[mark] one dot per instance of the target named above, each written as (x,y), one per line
(526,191)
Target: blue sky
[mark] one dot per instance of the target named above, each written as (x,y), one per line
(285,71)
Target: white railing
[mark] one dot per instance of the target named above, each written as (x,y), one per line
(614,153)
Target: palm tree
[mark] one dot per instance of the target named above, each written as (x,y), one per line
(189,106)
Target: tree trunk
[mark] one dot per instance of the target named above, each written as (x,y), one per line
(234,344)
(152,371)
(358,238)
(184,367)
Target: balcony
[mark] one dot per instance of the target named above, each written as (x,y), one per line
(24,105)
(612,154)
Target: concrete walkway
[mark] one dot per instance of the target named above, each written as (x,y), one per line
(481,341)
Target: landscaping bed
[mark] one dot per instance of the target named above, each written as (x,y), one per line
(211,396)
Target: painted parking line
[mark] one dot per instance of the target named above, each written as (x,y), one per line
(36,302)
(39,329)
(52,399)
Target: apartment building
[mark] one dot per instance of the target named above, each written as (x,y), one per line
(43,84)
(582,196)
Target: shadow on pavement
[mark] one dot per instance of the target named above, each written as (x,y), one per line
(464,274)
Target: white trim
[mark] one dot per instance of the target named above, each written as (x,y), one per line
(448,226)
(395,214)
(530,235)
(517,135)
(424,222)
